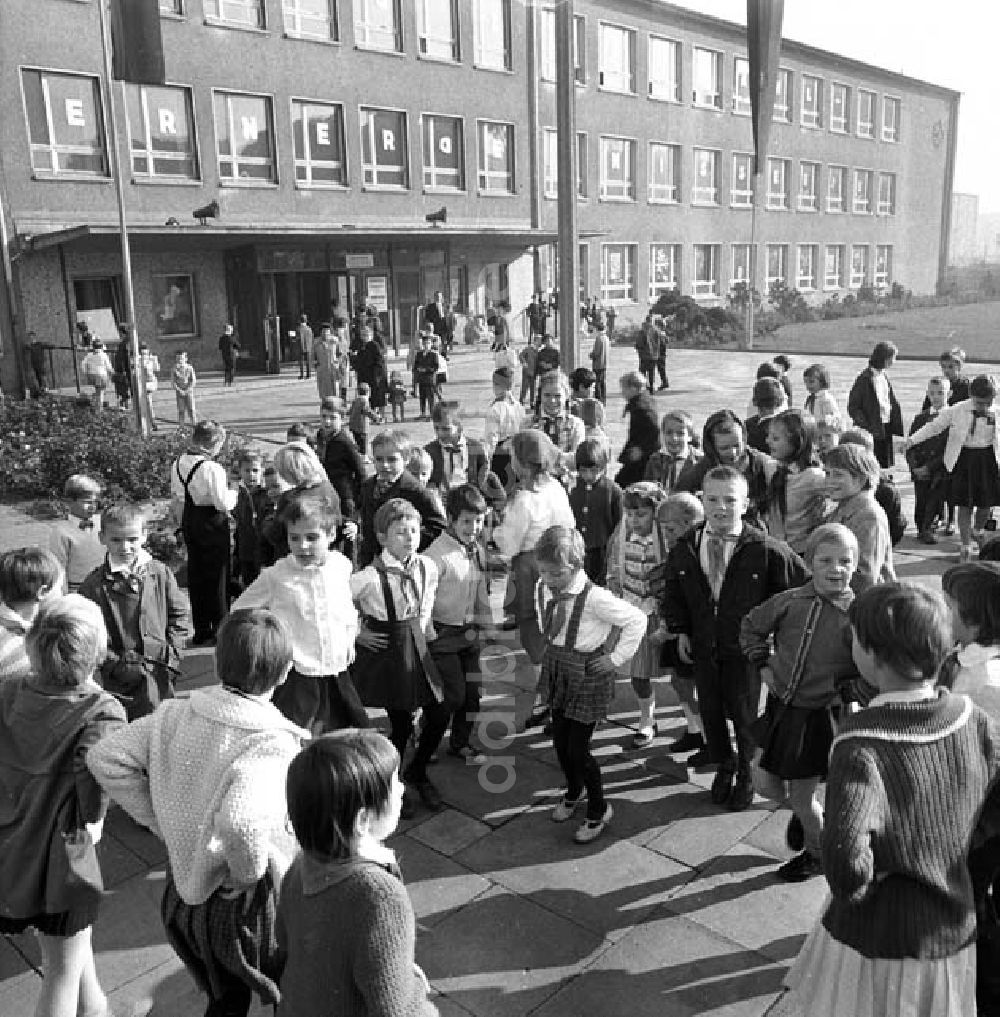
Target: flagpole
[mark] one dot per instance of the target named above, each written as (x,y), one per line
(136,382)
(753,258)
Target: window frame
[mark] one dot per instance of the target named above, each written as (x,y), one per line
(306,162)
(425,40)
(854,283)
(749,264)
(657,289)
(176,8)
(890,132)
(484,175)
(785,195)
(236,180)
(602,72)
(885,207)
(367,38)
(582,152)
(160,291)
(333,34)
(550,163)
(865,129)
(714,280)
(808,202)
(375,184)
(812,116)
(840,124)
(425,167)
(149,153)
(715,191)
(836,171)
(715,95)
(223,21)
(865,206)
(653,186)
(809,282)
(630,287)
(629,183)
(881,280)
(838,284)
(547,46)
(673,47)
(747,193)
(740,103)
(770,280)
(480,48)
(783,111)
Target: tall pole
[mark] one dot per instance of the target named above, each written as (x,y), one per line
(569,290)
(755,180)
(137,382)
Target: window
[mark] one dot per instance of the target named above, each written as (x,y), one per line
(173,299)
(493,34)
(840,108)
(706,177)
(617,169)
(664,172)
(887,194)
(812,101)
(65,128)
(741,86)
(862,192)
(883,266)
(583,269)
(777,183)
(437,29)
(318,135)
(836,184)
(859,265)
(706,88)
(783,97)
(311,19)
(618,272)
(244,136)
(496,158)
(833,271)
(550,162)
(582,190)
(806,277)
(548,46)
(890,119)
(866,114)
(664,69)
(705,282)
(378,25)
(777,265)
(808,186)
(384,148)
(743,265)
(579,49)
(617,58)
(161,132)
(244,13)
(664,269)
(172,7)
(444,153)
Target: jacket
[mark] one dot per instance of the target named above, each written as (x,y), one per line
(928,453)
(958,421)
(432,519)
(479,465)
(863,408)
(345,469)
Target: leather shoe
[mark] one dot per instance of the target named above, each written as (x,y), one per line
(795,836)
(539,716)
(742,793)
(688,742)
(722,786)
(800,868)
(701,758)
(429,794)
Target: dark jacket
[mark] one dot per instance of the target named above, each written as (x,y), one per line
(888,497)
(406,486)
(251,507)
(274,533)
(597,511)
(759,568)
(863,408)
(660,463)
(756,474)
(928,453)
(479,465)
(345,469)
(642,441)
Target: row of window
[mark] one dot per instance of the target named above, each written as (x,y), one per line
(843,266)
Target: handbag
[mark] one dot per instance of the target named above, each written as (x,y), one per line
(74,880)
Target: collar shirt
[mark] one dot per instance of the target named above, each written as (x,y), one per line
(366,589)
(728,547)
(460,580)
(881,383)
(209,486)
(529,514)
(504,419)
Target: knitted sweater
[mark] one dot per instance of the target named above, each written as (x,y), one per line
(207,775)
(906,783)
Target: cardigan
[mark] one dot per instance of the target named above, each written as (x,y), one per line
(957,420)
(906,783)
(660,467)
(863,407)
(864,517)
(597,509)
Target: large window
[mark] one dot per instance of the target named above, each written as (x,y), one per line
(175,306)
(582,188)
(777,264)
(384,148)
(887,194)
(491,19)
(705,281)
(783,97)
(437,29)
(617,58)
(859,265)
(65,127)
(812,101)
(244,13)
(866,114)
(806,276)
(883,266)
(444,153)
(833,270)
(808,186)
(318,137)
(707,170)
(172,7)
(664,269)
(496,157)
(664,69)
(741,86)
(244,135)
(617,169)
(840,107)
(161,132)
(550,163)
(890,119)
(664,172)
(547,21)
(741,187)
(862,203)
(378,24)
(777,183)
(836,186)
(706,86)
(311,19)
(743,266)
(618,273)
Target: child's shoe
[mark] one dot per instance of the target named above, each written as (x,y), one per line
(468,753)
(742,794)
(566,808)
(722,786)
(800,868)
(795,836)
(429,794)
(643,738)
(926,537)
(688,742)
(591,829)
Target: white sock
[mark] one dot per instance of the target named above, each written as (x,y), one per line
(693,720)
(646,708)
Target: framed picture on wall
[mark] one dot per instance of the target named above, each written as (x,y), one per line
(174,306)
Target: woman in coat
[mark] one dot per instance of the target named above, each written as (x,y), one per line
(872,404)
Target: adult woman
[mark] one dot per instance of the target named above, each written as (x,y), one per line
(872,404)
(329,366)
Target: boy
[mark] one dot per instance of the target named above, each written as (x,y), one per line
(97,370)
(184,380)
(456,458)
(29,576)
(599,358)
(425,368)
(420,465)
(643,432)
(673,465)
(144,611)
(391,450)
(394,669)
(207,775)
(926,462)
(461,605)
(581,386)
(885,491)
(251,507)
(342,462)
(308,590)
(714,575)
(952,361)
(75,541)
(768,400)
(504,418)
(397,397)
(596,501)
(547,358)
(528,358)
(359,415)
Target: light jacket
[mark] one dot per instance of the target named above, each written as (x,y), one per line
(958,420)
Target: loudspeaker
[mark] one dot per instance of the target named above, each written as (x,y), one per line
(206,212)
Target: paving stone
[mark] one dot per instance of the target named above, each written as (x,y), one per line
(140,841)
(118,863)
(18,995)
(449,831)
(705,832)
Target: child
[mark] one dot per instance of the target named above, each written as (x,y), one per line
(971,455)
(397,397)
(899,817)
(308,590)
(144,611)
(49,722)
(972,592)
(184,380)
(563,429)
(206,774)
(820,401)
(828,431)
(635,553)
(149,367)
(926,462)
(97,370)
(394,669)
(578,674)
(344,800)
(420,465)
(952,361)
(298,433)
(460,606)
(456,458)
(768,400)
(248,516)
(75,541)
(673,466)
(29,577)
(885,491)
(504,418)
(714,576)
(811,658)
(528,358)
(581,387)
(358,416)
(425,366)
(784,364)
(872,404)
(592,415)
(643,432)
(797,491)
(596,501)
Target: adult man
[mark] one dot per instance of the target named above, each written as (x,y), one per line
(304,344)
(435,315)
(229,347)
(648,348)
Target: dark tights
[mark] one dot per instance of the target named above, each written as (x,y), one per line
(435,723)
(572,743)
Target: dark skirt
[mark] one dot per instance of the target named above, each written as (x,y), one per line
(325,704)
(392,678)
(570,689)
(62,926)
(975,480)
(796,740)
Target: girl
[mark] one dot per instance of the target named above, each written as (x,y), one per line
(872,404)
(673,464)
(907,778)
(344,798)
(820,401)
(578,674)
(797,489)
(592,415)
(972,591)
(635,552)
(553,417)
(184,381)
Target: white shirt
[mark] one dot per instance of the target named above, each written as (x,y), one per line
(728,546)
(366,590)
(504,418)
(209,486)
(529,514)
(881,383)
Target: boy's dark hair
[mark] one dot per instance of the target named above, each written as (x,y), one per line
(26,572)
(331,404)
(767,394)
(246,456)
(253,650)
(122,513)
(297,432)
(882,353)
(392,511)
(330,781)
(818,371)
(312,506)
(856,460)
(783,361)
(590,455)
(905,626)
(956,354)
(207,434)
(446,412)
(503,377)
(768,370)
(990,551)
(975,588)
(561,545)
(983,386)
(399,440)
(465,498)
(582,377)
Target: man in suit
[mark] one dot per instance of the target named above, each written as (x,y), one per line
(435,316)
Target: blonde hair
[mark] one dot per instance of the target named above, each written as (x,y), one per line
(67,640)
(298,464)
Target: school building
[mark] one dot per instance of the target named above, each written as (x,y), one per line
(380,150)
